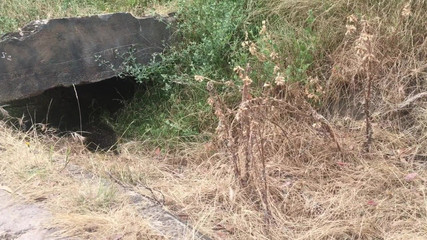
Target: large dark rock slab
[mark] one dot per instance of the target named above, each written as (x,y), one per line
(62,52)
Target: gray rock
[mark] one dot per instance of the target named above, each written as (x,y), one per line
(62,52)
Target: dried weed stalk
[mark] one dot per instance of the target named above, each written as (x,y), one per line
(355,69)
(255,132)
(365,53)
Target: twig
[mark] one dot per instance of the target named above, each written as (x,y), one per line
(264,195)
(78,104)
(246,122)
(318,117)
(401,106)
(67,159)
(405,104)
(227,128)
(4,113)
(153,198)
(48,110)
(246,128)
(368,132)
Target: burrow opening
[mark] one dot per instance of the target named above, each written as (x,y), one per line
(74,108)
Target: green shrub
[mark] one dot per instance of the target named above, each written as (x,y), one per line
(171,104)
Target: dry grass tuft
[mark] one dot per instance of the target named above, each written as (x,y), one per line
(32,165)
(311,192)
(14,14)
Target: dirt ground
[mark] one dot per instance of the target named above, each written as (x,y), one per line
(22,221)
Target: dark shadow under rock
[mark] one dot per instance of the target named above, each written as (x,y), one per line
(67,108)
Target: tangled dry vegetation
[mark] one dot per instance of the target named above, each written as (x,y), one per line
(33,169)
(354,167)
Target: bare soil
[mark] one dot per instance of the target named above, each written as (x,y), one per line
(22,221)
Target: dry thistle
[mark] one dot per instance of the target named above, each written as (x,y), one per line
(263,28)
(276,69)
(366,58)
(407,10)
(352,19)
(279,80)
(199,78)
(350,29)
(274,56)
(223,129)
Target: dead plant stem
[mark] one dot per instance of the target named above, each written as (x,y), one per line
(367,110)
(264,192)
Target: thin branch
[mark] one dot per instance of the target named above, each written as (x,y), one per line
(403,105)
(264,195)
(80,112)
(317,116)
(368,132)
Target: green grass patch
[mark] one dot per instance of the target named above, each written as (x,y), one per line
(16,13)
(161,119)
(174,107)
